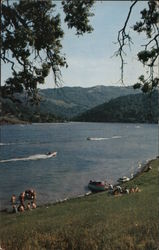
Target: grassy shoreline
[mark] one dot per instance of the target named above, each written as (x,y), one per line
(4,120)
(99,221)
(137,173)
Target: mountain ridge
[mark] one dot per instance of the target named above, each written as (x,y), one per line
(78,99)
(62,103)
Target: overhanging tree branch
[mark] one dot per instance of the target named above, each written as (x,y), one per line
(148,24)
(123,38)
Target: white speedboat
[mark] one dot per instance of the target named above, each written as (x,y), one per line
(51,154)
(123,179)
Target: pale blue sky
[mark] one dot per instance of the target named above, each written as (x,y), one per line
(90,56)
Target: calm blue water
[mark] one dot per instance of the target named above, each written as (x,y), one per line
(78,160)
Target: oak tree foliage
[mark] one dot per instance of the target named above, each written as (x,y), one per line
(31,40)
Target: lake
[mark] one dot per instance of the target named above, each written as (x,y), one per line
(115,149)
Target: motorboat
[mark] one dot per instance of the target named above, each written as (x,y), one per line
(123,179)
(97,186)
(51,154)
(96,138)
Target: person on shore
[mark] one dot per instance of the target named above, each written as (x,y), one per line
(21,208)
(21,198)
(119,188)
(126,190)
(15,210)
(30,194)
(110,187)
(13,199)
(28,206)
(27,194)
(149,168)
(132,190)
(115,192)
(33,205)
(136,189)
(34,196)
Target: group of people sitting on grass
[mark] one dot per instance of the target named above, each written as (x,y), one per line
(115,190)
(21,205)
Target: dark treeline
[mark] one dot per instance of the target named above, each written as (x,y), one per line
(131,108)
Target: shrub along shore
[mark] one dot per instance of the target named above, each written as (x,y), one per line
(99,221)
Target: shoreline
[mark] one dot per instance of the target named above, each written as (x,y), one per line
(143,168)
(15,121)
(12,121)
(126,220)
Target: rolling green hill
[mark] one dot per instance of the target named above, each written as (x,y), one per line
(131,108)
(18,112)
(68,102)
(65,103)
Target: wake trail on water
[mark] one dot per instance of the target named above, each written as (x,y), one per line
(30,158)
(116,137)
(47,142)
(103,138)
(6,144)
(20,143)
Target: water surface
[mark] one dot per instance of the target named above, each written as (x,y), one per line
(115,149)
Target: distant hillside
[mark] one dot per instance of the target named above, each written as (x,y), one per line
(68,102)
(130,108)
(18,112)
(61,103)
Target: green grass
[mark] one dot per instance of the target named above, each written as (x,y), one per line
(100,221)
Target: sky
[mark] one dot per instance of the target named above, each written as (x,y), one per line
(90,57)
